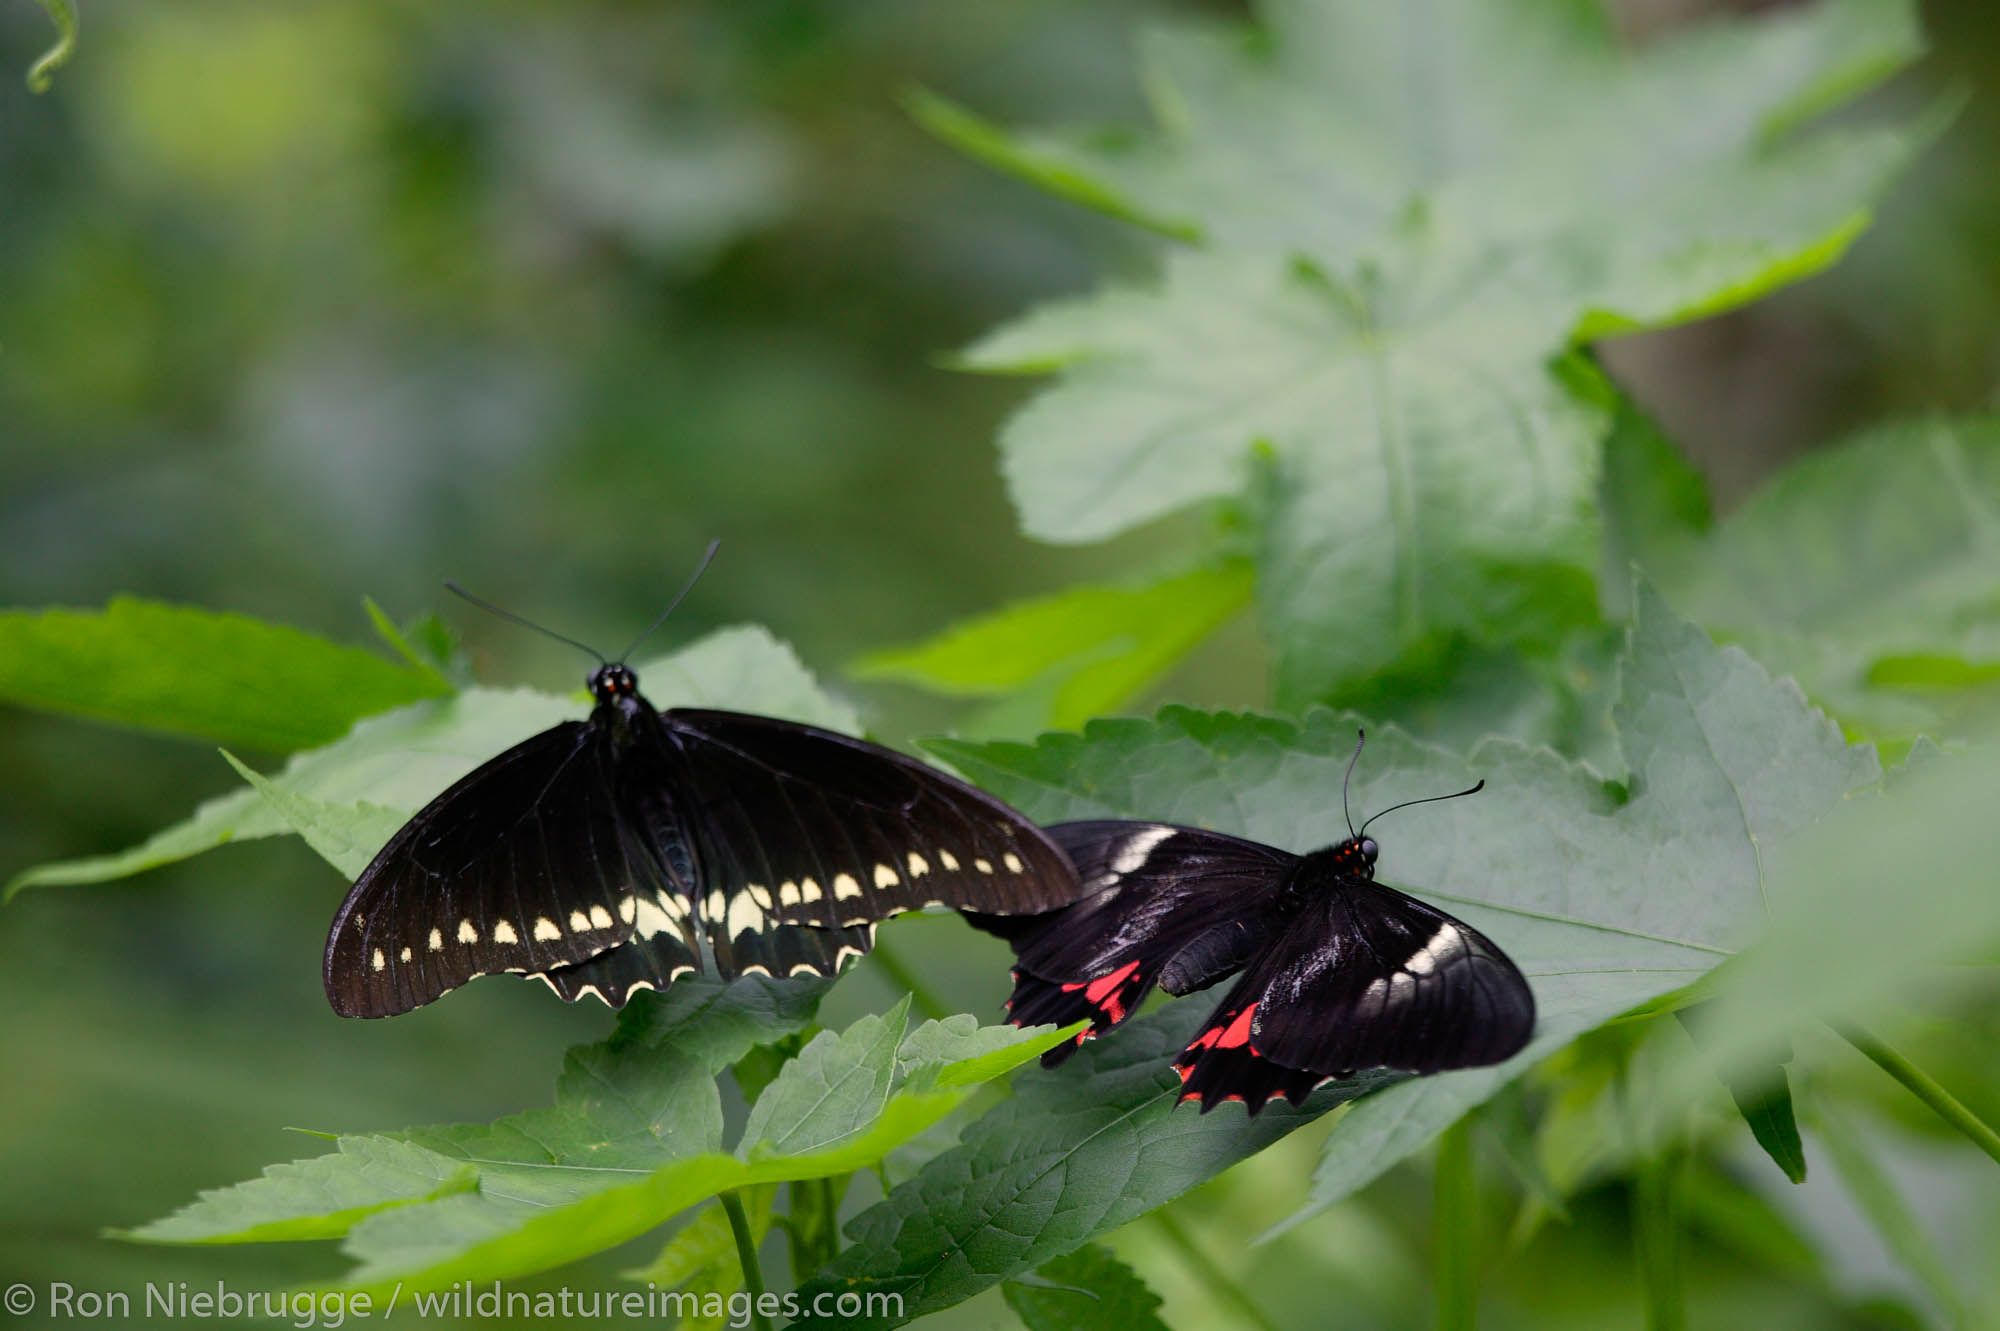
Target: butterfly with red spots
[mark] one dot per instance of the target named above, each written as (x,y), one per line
(1339,972)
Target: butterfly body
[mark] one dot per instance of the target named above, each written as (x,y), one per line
(1338,973)
(624,851)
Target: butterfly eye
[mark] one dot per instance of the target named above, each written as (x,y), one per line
(1369,850)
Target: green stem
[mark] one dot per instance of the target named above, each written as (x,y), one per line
(1455,1223)
(1942,1102)
(1212,1275)
(1656,1223)
(903,977)
(63,14)
(746,1253)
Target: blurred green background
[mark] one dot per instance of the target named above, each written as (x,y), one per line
(309,301)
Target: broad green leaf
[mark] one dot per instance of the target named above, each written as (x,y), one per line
(1871,571)
(1089,650)
(1872,909)
(360,787)
(836,1086)
(1076,1152)
(496,1236)
(1362,340)
(1655,507)
(1606,904)
(646,1091)
(1082,1291)
(215,676)
(634,1137)
(323,1197)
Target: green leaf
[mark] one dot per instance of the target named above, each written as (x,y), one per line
(1605,904)
(1074,1153)
(1833,950)
(351,794)
(635,1136)
(834,1088)
(1762,1094)
(1655,507)
(1088,650)
(647,1090)
(1082,1291)
(323,1197)
(216,676)
(1363,342)
(1870,571)
(427,643)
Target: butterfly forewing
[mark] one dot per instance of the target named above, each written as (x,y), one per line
(795,826)
(523,865)
(607,856)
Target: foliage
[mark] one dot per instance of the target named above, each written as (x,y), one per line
(1359,346)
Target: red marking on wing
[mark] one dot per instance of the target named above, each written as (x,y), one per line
(1239,1030)
(1102,992)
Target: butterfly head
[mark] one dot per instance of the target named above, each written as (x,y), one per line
(1356,856)
(613,681)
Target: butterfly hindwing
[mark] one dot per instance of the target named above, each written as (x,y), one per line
(523,865)
(1175,906)
(1362,976)
(792,825)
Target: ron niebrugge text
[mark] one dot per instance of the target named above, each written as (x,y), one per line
(179,1300)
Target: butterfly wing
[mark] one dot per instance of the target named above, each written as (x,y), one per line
(1176,906)
(525,864)
(1362,977)
(792,826)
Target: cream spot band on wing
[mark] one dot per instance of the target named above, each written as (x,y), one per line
(1136,848)
(503,932)
(844,887)
(652,920)
(948,860)
(788,893)
(984,866)
(918,866)
(466,933)
(809,889)
(718,906)
(885,876)
(406,955)
(1013,862)
(600,918)
(436,941)
(546,929)
(744,917)
(579,922)
(378,961)
(627,910)
(1444,944)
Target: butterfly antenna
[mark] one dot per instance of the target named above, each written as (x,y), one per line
(1474,789)
(674,604)
(1360,738)
(493,609)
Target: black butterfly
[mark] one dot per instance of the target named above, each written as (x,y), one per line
(600,856)
(1340,973)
